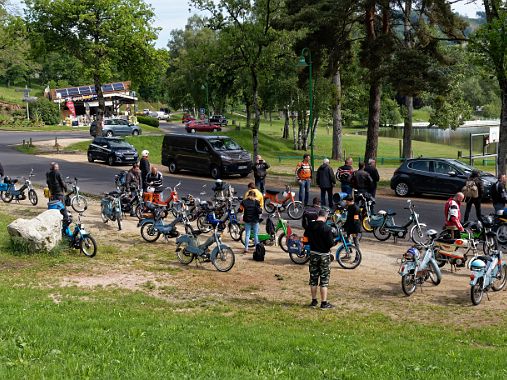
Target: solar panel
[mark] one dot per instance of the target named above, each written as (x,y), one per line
(107,87)
(85,90)
(118,86)
(73,91)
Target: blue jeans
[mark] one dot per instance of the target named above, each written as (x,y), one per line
(249,227)
(498,206)
(259,184)
(346,188)
(304,190)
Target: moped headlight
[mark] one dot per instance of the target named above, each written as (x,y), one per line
(77,188)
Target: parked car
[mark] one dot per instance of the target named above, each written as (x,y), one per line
(186,118)
(116,127)
(442,176)
(201,126)
(161,115)
(213,155)
(112,150)
(218,120)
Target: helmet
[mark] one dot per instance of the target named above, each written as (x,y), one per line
(145,153)
(412,253)
(477,264)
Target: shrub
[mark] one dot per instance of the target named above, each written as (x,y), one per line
(148,120)
(45,110)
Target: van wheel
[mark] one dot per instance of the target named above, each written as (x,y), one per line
(215,172)
(172,167)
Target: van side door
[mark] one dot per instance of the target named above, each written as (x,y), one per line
(202,156)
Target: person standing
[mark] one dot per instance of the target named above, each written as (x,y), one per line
(452,214)
(326,181)
(473,191)
(155,179)
(361,180)
(251,214)
(304,178)
(371,169)
(344,175)
(499,193)
(258,194)
(144,165)
(133,180)
(320,239)
(260,172)
(56,185)
(352,225)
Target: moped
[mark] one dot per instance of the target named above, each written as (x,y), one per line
(416,270)
(152,228)
(110,206)
(78,202)
(162,198)
(455,251)
(294,208)
(488,273)
(8,191)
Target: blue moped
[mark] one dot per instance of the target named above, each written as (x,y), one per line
(488,272)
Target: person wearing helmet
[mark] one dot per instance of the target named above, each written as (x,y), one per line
(144,165)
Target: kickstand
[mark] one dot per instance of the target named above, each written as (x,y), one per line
(487,295)
(395,239)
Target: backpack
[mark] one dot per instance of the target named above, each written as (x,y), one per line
(470,190)
(294,244)
(259,252)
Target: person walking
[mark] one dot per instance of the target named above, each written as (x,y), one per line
(361,180)
(56,185)
(304,178)
(473,191)
(344,175)
(452,212)
(320,239)
(326,181)
(352,225)
(144,165)
(251,215)
(499,193)
(260,172)
(311,213)
(371,169)
(258,194)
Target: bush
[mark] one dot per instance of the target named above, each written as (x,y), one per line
(148,120)
(45,110)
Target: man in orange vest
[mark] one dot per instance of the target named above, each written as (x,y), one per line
(304,178)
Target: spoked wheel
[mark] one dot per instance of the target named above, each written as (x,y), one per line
(203,225)
(366,224)
(381,233)
(476,293)
(88,246)
(500,280)
(349,257)
(104,218)
(139,211)
(296,210)
(243,236)
(235,231)
(6,196)
(184,257)
(432,271)
(79,203)
(418,234)
(440,259)
(269,207)
(408,284)
(501,233)
(299,258)
(224,259)
(282,242)
(32,196)
(149,233)
(489,244)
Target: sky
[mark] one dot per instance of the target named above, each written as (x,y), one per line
(173,14)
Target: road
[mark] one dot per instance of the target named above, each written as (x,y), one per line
(97,178)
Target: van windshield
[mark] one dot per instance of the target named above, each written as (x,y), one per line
(224,144)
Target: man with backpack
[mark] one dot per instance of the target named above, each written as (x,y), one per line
(473,191)
(344,175)
(498,193)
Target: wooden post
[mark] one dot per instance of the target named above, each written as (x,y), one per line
(30,145)
(23,142)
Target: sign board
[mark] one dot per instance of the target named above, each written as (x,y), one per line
(494,134)
(202,110)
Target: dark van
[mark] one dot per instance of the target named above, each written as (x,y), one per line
(214,155)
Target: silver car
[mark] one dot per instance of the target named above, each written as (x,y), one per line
(116,127)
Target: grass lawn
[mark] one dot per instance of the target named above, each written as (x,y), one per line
(55,332)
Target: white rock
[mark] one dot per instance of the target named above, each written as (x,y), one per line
(41,233)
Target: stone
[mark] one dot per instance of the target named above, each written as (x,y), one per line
(40,234)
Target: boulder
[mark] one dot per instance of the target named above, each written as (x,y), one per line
(41,234)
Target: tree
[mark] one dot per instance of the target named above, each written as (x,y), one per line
(107,36)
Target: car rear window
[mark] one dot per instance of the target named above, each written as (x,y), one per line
(423,166)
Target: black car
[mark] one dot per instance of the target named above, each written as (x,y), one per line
(442,176)
(112,150)
(218,120)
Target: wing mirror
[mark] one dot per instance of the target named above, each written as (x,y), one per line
(452,173)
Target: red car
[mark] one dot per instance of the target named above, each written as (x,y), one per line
(186,118)
(201,126)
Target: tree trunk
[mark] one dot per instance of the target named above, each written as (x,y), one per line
(285,134)
(102,104)
(294,134)
(336,153)
(373,120)
(257,114)
(248,107)
(502,146)
(407,127)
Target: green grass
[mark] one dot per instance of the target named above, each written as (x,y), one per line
(14,94)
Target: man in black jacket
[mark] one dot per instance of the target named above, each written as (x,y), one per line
(326,181)
(498,193)
(361,180)
(155,179)
(371,169)
(260,172)
(56,185)
(251,215)
(320,238)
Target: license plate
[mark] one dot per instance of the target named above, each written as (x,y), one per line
(242,167)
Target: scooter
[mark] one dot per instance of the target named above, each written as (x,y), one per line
(8,191)
(488,273)
(276,234)
(160,198)
(152,228)
(78,202)
(455,251)
(110,206)
(294,208)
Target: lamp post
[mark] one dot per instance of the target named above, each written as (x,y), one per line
(303,63)
(205,87)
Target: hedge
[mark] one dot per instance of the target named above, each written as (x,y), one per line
(148,120)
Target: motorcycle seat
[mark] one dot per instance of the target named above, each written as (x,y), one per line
(485,258)
(10,181)
(272,192)
(391,213)
(114,193)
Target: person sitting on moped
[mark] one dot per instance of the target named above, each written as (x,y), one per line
(155,179)
(453,215)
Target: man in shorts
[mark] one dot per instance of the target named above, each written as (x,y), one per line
(320,239)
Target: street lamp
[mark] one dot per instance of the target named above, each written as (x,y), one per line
(205,87)
(304,63)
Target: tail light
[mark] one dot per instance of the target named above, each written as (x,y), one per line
(472,276)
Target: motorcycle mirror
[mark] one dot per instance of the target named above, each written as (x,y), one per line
(75,178)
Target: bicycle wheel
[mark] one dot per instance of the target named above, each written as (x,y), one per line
(381,233)
(476,293)
(32,196)
(348,256)
(88,246)
(79,203)
(235,231)
(282,242)
(432,270)
(296,210)
(183,256)
(149,233)
(203,225)
(225,259)
(408,284)
(418,234)
(500,280)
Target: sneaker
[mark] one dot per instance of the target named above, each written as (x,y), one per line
(314,303)
(326,305)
